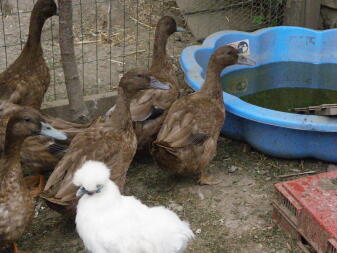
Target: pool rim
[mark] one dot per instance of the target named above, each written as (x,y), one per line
(193,77)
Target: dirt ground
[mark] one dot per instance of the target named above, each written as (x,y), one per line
(232,217)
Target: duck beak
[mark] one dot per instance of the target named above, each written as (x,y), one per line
(156,84)
(244,60)
(49,131)
(180,29)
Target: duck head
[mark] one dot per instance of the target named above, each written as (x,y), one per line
(28,122)
(45,9)
(167,25)
(137,80)
(228,55)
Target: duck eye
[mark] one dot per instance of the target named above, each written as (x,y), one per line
(26,119)
(229,53)
(139,75)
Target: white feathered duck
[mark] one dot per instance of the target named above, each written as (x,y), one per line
(109,222)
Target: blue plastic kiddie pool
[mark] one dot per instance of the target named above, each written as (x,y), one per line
(309,60)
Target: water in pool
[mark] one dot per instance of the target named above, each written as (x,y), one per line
(284,85)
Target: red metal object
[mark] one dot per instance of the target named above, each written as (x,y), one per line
(307,209)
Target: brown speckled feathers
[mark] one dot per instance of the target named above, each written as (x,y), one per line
(26,80)
(114,147)
(16,202)
(41,153)
(148,108)
(187,140)
(111,140)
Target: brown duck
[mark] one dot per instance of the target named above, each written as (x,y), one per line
(25,83)
(111,140)
(187,140)
(26,80)
(41,153)
(149,107)
(16,201)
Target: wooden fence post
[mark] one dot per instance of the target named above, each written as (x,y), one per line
(312,13)
(71,76)
(304,13)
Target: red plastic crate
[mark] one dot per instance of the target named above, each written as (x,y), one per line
(307,209)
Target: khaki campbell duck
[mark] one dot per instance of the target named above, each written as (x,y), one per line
(111,140)
(42,154)
(26,80)
(16,201)
(25,83)
(187,140)
(148,108)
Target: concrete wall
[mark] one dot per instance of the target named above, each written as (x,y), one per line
(97,105)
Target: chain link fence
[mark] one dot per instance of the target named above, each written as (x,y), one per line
(103,54)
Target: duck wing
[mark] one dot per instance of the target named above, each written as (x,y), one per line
(149,105)
(42,153)
(63,124)
(97,143)
(8,92)
(190,121)
(25,84)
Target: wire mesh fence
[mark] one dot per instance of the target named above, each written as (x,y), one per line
(107,46)
(205,17)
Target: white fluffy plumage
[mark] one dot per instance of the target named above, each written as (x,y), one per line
(109,222)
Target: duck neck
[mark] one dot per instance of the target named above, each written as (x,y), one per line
(33,45)
(12,146)
(10,156)
(120,118)
(212,84)
(159,57)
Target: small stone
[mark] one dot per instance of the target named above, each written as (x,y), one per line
(283,251)
(262,172)
(175,207)
(198,231)
(332,167)
(267,178)
(232,169)
(201,195)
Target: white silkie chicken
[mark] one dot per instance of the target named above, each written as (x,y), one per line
(109,222)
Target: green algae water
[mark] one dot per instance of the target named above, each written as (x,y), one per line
(284,85)
(283,99)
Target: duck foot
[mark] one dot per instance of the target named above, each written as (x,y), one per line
(208,180)
(31,181)
(16,250)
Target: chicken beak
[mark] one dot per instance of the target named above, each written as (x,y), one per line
(80,192)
